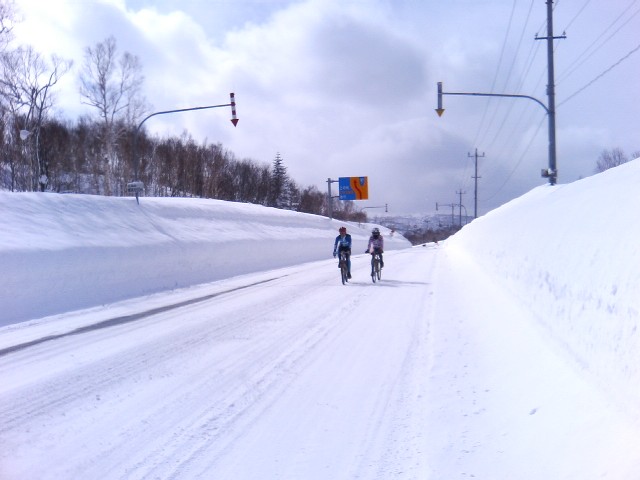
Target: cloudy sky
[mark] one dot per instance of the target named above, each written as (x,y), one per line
(348,87)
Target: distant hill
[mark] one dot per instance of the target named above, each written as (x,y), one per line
(424,228)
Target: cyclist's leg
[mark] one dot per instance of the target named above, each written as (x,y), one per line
(381,261)
(349,263)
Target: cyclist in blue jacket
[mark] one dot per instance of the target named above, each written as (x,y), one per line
(343,243)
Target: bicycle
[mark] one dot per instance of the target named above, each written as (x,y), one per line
(376,271)
(344,267)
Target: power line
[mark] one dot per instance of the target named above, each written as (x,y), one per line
(495,77)
(590,51)
(515,167)
(601,75)
(525,111)
(484,128)
(577,15)
(511,105)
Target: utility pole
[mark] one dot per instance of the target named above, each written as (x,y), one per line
(330,197)
(475,177)
(452,205)
(460,193)
(552,172)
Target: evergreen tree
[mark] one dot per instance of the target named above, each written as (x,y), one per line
(278,186)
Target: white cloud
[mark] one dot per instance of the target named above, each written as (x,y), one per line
(350,87)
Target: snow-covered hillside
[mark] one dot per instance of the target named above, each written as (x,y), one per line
(571,254)
(64,252)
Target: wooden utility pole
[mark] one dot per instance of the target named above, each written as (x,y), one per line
(476,177)
(551,172)
(460,193)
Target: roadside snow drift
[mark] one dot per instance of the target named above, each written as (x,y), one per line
(63,252)
(571,254)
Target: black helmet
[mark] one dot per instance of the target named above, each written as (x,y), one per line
(376,232)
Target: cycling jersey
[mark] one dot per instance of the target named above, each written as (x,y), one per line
(342,243)
(376,244)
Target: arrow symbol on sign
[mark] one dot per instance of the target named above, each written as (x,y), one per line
(439,110)
(234,118)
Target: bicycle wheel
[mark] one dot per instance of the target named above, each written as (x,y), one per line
(343,270)
(374,263)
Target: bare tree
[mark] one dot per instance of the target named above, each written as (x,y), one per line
(609,159)
(312,200)
(113,86)
(7,20)
(7,147)
(26,88)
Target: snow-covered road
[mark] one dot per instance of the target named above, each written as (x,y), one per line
(287,374)
(279,372)
(217,342)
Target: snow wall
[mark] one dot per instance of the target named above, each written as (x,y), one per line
(571,253)
(65,252)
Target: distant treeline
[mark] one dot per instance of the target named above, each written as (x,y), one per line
(74,160)
(40,152)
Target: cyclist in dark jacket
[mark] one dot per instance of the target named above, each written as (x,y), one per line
(343,243)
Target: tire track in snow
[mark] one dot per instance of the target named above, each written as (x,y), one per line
(126,318)
(201,379)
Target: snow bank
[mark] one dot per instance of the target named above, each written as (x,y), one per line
(570,253)
(192,240)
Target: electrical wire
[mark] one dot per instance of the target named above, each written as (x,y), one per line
(600,75)
(526,112)
(515,167)
(577,15)
(590,51)
(529,62)
(495,77)
(486,126)
(522,116)
(505,117)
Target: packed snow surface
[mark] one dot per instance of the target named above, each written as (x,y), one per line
(199,339)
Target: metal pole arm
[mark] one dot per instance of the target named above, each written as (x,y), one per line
(137,185)
(499,95)
(180,110)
